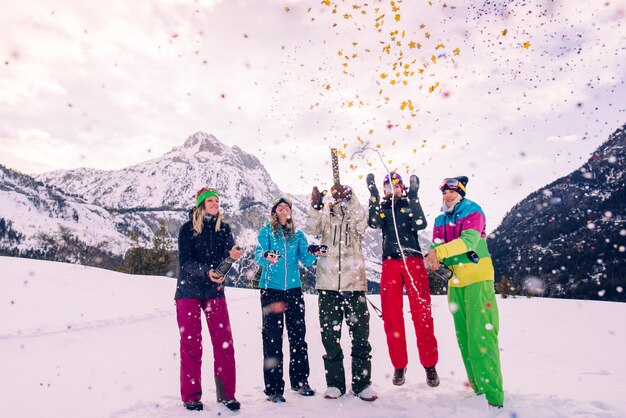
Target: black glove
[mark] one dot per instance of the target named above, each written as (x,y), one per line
(414,185)
(317,248)
(371,185)
(317,199)
(272,254)
(341,192)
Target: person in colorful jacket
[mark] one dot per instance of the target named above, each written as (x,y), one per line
(203,243)
(280,248)
(400,216)
(459,243)
(341,285)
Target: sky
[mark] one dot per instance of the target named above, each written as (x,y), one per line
(513,94)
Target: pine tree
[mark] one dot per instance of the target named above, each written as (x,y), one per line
(158,260)
(160,255)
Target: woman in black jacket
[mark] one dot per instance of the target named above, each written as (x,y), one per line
(203,243)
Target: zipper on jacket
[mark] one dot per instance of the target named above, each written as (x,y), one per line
(339,283)
(285,256)
(340,227)
(445,233)
(211,242)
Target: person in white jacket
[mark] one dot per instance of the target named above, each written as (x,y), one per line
(341,284)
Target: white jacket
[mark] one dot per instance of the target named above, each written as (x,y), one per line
(343,269)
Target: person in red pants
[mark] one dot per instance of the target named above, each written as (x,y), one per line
(203,242)
(400,216)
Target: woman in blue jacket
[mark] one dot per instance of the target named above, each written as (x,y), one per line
(280,248)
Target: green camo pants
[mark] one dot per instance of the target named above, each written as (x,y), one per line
(476,321)
(333,308)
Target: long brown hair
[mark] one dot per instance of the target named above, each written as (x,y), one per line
(289,229)
(198,219)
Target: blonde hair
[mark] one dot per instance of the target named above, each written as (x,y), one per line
(198,219)
(289,228)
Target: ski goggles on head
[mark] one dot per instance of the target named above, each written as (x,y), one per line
(395,178)
(280,200)
(452,184)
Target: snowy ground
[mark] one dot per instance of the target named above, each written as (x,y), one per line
(84,342)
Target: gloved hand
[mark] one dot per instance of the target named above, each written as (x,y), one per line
(317,249)
(340,192)
(371,185)
(272,256)
(317,199)
(414,185)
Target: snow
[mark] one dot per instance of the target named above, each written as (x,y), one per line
(85,342)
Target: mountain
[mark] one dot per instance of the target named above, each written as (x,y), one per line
(169,183)
(31,208)
(569,237)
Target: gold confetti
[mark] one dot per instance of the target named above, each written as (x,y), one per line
(433,87)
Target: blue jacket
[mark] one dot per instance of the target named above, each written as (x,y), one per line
(197,254)
(285,273)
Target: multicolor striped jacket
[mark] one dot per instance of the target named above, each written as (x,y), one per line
(458,233)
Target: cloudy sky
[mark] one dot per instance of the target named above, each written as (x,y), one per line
(512,93)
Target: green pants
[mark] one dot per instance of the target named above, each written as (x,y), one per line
(333,308)
(476,321)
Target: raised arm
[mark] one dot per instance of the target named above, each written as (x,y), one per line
(373,220)
(418,220)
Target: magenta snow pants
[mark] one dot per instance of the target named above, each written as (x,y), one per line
(188,313)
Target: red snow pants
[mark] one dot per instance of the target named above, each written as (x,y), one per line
(189,313)
(394,277)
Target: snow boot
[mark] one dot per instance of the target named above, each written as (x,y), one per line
(232,404)
(304,390)
(368,394)
(276,398)
(332,393)
(399,377)
(432,378)
(194,405)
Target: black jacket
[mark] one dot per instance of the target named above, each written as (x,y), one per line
(199,254)
(409,219)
